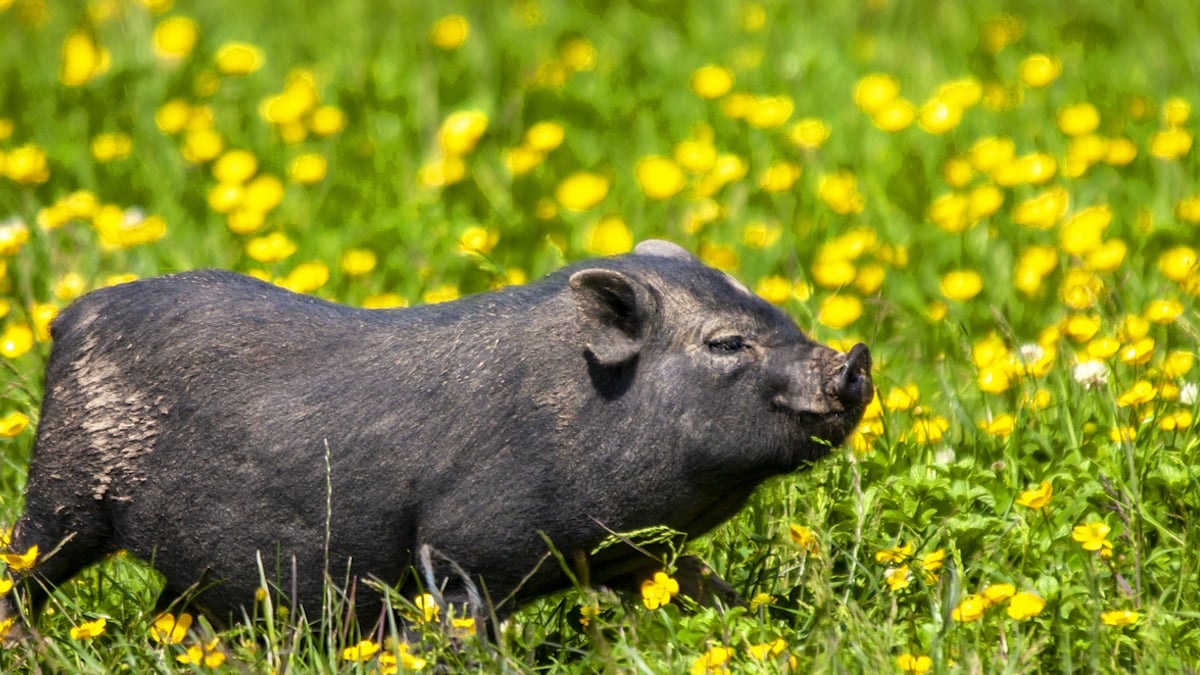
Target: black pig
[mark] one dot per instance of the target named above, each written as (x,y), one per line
(203,419)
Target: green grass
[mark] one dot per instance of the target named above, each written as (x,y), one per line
(616,77)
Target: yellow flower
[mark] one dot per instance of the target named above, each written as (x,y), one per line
(12,425)
(1084,231)
(1039,70)
(6,626)
(88,629)
(428,607)
(6,585)
(1141,392)
(712,662)
(774,289)
(1037,498)
(712,81)
(357,262)
(1078,119)
(1177,363)
(931,562)
(658,177)
(839,311)
(1025,605)
(995,594)
(1138,352)
(760,235)
(804,537)
(991,152)
(545,136)
(809,133)
(578,54)
(270,248)
(769,112)
(16,340)
(658,591)
(581,191)
(939,117)
(442,171)
(994,378)
(461,131)
(306,278)
(108,147)
(27,165)
(962,93)
(895,554)
(961,284)
(384,301)
(1163,312)
(238,58)
(970,609)
(389,663)
(779,177)
(875,91)
(361,652)
(610,236)
(1171,143)
(308,168)
(768,650)
(82,59)
(895,115)
(235,166)
(327,120)
(910,663)
(1179,263)
(695,155)
(1092,535)
(523,159)
(120,229)
(450,32)
(42,314)
(759,600)
(1176,421)
(1107,257)
(169,629)
(949,213)
(174,37)
(1119,617)
(172,117)
(1176,111)
(897,578)
(207,655)
(840,193)
(476,239)
(443,293)
(201,145)
(263,193)
(463,627)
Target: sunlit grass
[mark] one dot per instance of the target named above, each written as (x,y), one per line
(1001,200)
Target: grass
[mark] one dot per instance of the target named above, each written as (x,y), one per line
(1024,268)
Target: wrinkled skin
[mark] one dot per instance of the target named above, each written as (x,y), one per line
(197,421)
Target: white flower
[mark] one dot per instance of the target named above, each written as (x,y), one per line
(1187,393)
(1091,374)
(1031,353)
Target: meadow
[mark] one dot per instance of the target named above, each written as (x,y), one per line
(1000,198)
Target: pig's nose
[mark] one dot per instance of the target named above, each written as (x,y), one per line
(854,377)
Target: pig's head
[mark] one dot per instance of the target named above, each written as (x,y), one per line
(729,380)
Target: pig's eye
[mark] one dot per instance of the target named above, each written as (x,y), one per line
(728,345)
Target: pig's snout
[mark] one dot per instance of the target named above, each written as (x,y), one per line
(825,382)
(852,384)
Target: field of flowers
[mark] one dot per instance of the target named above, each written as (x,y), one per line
(1001,199)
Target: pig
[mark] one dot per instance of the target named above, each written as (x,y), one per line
(207,421)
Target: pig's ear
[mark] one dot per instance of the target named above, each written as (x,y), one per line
(613,310)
